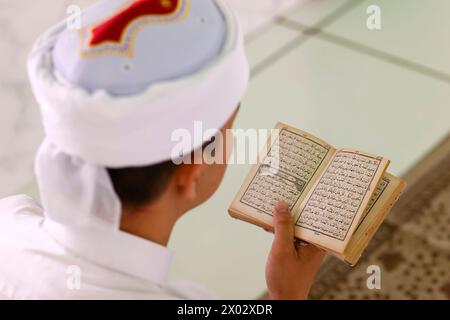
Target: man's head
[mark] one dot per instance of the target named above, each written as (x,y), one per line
(186,185)
(113,92)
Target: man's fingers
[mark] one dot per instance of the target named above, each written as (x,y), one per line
(310,253)
(284,228)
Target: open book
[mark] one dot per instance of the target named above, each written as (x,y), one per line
(338,197)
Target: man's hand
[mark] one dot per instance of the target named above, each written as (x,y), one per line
(290,268)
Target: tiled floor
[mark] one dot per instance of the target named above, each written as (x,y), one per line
(410,30)
(317,67)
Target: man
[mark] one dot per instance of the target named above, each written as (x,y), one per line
(111,95)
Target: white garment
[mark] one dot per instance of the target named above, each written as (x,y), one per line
(40,259)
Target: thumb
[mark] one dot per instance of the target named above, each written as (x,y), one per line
(284,229)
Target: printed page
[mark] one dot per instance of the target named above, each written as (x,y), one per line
(287,171)
(336,203)
(385,196)
(379,191)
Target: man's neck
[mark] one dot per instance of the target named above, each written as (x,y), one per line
(151,223)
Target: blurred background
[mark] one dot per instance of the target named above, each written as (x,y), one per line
(373,75)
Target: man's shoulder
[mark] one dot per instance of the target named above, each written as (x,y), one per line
(19,204)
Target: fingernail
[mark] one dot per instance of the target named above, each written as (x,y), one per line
(282,207)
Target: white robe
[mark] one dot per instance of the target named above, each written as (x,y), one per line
(41,259)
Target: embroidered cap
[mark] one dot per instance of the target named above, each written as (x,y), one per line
(146,42)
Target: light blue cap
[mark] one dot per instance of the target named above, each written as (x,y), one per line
(110,88)
(152,49)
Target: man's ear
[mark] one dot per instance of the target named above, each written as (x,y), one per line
(186,179)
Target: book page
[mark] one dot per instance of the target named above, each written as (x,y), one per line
(385,196)
(286,173)
(378,192)
(336,203)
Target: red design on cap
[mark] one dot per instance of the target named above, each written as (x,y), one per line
(113,29)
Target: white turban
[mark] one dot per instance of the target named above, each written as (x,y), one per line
(98,114)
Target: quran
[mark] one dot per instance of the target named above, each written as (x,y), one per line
(338,197)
